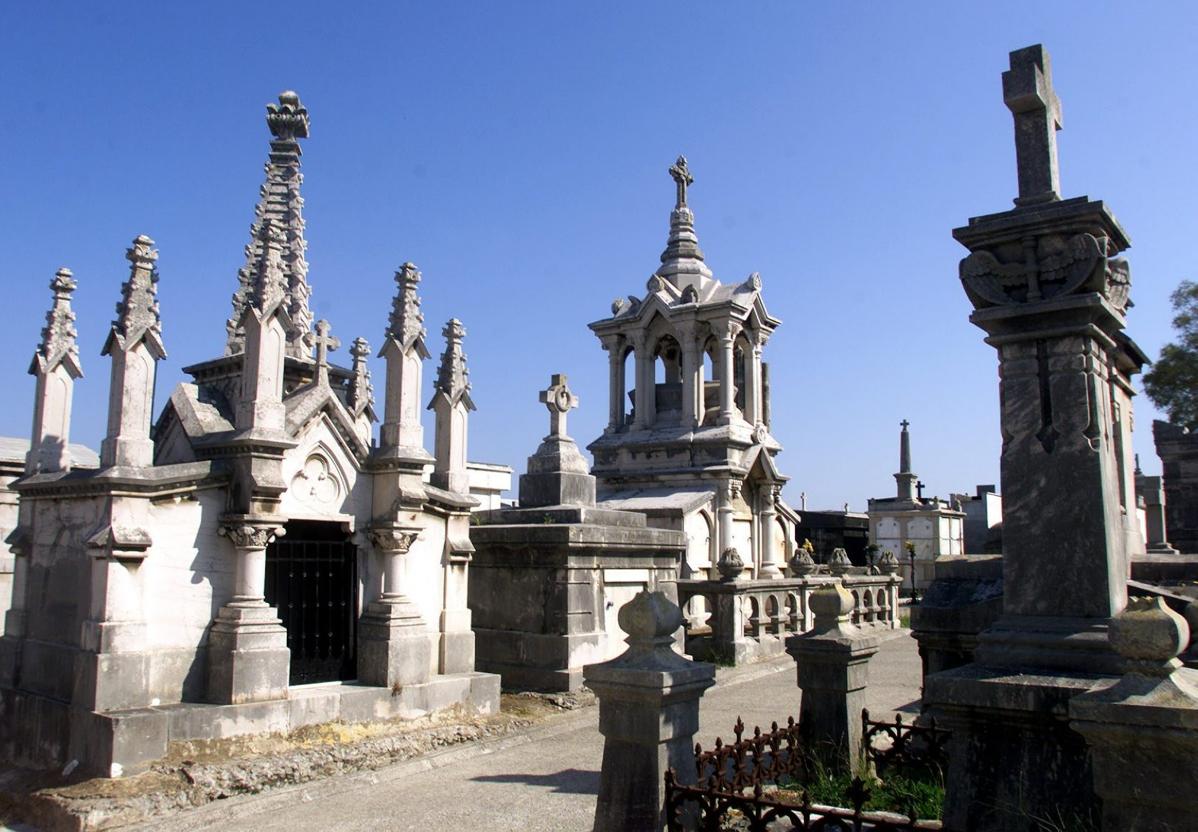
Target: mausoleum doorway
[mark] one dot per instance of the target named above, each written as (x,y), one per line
(312,580)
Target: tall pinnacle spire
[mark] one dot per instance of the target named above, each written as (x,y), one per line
(281,202)
(137,315)
(682,261)
(59,337)
(904,478)
(406,325)
(453,379)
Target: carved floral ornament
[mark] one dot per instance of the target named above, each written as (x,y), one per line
(396,539)
(1041,268)
(251,535)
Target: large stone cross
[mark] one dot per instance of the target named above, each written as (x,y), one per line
(682,178)
(1028,93)
(559,400)
(324,342)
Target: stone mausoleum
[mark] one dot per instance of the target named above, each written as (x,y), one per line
(259,560)
(694,453)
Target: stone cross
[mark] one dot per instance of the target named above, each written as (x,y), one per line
(1028,94)
(324,342)
(919,487)
(904,424)
(682,178)
(559,400)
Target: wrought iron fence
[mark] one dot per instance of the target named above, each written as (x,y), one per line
(729,791)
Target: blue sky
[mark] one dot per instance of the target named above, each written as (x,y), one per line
(517,152)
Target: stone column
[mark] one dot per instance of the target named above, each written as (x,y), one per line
(833,670)
(766,524)
(753,409)
(394,644)
(1142,731)
(692,372)
(614,345)
(404,351)
(730,563)
(646,385)
(452,404)
(1153,492)
(248,659)
(727,335)
(648,715)
(135,344)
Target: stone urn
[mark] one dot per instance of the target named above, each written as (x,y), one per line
(801,564)
(839,564)
(888,564)
(730,565)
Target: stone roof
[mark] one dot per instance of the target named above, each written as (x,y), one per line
(13,449)
(658,500)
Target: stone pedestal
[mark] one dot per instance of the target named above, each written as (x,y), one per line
(248,659)
(1142,731)
(648,715)
(833,672)
(394,644)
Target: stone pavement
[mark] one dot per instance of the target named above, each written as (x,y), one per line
(545,779)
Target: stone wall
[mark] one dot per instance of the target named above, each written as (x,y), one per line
(1178,450)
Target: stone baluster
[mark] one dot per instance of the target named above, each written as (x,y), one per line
(833,672)
(648,714)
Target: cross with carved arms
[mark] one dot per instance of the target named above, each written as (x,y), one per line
(1028,93)
(324,342)
(904,424)
(682,178)
(559,400)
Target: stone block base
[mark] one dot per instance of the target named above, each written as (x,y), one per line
(457,652)
(248,659)
(47,732)
(393,649)
(536,661)
(1013,756)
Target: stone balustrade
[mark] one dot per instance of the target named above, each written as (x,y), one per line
(745,620)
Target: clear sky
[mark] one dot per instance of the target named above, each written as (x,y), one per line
(517,152)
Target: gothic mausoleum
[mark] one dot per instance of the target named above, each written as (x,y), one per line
(259,560)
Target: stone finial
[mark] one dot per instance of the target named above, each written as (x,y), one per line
(361,391)
(650,619)
(888,564)
(730,564)
(1028,93)
(59,337)
(270,283)
(801,563)
(559,400)
(453,379)
(406,326)
(1149,636)
(287,120)
(832,606)
(839,564)
(137,315)
(682,261)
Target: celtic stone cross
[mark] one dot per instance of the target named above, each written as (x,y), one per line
(1028,93)
(559,401)
(682,178)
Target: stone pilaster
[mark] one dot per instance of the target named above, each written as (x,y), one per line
(753,409)
(135,345)
(248,659)
(456,654)
(394,643)
(648,715)
(55,365)
(452,403)
(833,672)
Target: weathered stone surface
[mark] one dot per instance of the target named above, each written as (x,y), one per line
(1178,450)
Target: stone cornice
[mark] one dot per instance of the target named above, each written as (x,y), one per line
(152,482)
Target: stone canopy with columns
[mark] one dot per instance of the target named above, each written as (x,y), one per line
(257,537)
(690,444)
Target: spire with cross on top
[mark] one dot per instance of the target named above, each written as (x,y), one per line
(560,400)
(1028,93)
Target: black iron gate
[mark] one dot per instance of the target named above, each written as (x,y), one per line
(312,579)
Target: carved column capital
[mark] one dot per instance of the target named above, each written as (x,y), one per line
(251,534)
(393,539)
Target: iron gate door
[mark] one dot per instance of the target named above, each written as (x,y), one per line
(312,580)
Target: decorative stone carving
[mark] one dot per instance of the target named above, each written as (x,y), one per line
(801,563)
(839,564)
(287,120)
(1150,636)
(59,337)
(888,563)
(559,400)
(137,312)
(317,483)
(406,324)
(453,379)
(324,341)
(393,539)
(251,535)
(730,564)
(361,391)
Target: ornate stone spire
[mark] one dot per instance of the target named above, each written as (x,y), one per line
(59,338)
(453,379)
(269,288)
(281,202)
(904,478)
(406,325)
(682,261)
(361,391)
(137,316)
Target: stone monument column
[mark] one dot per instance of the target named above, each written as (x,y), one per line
(248,659)
(135,344)
(727,332)
(394,643)
(753,409)
(614,345)
(645,395)
(692,374)
(767,529)
(1051,297)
